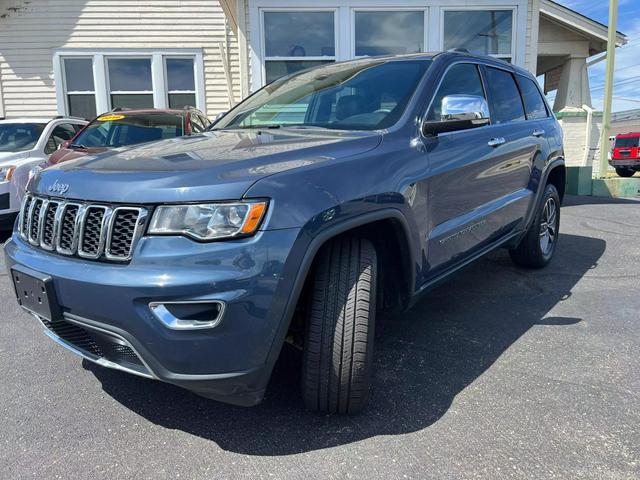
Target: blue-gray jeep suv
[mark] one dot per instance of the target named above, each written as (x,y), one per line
(322,197)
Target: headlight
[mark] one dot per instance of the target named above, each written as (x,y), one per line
(6,172)
(210,221)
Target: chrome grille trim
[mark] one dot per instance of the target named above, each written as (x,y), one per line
(90,234)
(106,215)
(74,237)
(50,205)
(137,232)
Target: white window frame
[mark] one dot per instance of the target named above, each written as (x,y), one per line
(101,74)
(166,77)
(486,8)
(352,29)
(321,58)
(68,92)
(345,41)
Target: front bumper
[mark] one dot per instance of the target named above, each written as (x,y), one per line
(8,212)
(229,362)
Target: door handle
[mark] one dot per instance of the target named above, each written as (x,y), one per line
(538,132)
(494,142)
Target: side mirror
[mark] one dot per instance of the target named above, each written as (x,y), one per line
(218,116)
(458,112)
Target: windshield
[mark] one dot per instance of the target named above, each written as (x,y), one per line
(115,130)
(19,137)
(364,95)
(626,142)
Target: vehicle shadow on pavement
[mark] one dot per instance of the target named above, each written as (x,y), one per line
(424,358)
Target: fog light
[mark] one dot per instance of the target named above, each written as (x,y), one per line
(188,315)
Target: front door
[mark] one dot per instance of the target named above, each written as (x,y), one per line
(478,184)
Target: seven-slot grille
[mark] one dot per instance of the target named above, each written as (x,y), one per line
(86,230)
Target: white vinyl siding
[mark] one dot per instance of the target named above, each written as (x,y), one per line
(30,34)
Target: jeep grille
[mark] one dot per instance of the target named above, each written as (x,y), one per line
(98,232)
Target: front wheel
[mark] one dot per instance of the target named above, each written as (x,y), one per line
(338,344)
(536,248)
(624,172)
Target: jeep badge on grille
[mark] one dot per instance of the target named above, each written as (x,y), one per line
(60,188)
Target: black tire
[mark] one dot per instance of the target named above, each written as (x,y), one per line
(338,344)
(532,252)
(624,172)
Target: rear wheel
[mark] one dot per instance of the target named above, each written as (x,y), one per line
(536,249)
(338,346)
(624,172)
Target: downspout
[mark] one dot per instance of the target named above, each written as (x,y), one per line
(587,108)
(1,99)
(587,136)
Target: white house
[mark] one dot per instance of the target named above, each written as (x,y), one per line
(83,57)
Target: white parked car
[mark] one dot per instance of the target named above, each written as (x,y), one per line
(28,140)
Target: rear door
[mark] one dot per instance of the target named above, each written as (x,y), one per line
(544,125)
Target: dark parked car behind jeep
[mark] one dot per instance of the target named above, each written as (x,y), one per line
(325,195)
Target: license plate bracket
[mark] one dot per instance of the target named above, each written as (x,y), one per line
(35,293)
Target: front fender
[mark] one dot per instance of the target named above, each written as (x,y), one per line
(310,240)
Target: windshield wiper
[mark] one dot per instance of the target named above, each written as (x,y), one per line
(78,145)
(272,126)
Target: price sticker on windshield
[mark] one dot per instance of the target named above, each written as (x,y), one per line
(110,118)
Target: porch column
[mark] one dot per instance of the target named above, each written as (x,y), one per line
(573,89)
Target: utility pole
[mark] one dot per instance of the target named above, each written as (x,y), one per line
(608,88)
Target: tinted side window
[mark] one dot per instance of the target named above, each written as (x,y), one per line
(460,79)
(60,133)
(507,103)
(196,124)
(533,101)
(205,121)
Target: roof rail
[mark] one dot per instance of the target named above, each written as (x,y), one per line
(58,117)
(459,50)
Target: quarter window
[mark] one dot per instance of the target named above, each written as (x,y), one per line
(486,32)
(61,133)
(388,32)
(507,103)
(130,82)
(533,101)
(460,79)
(294,41)
(80,90)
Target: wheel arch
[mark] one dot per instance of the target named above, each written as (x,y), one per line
(364,225)
(389,232)
(557,176)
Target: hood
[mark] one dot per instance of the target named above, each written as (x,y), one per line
(66,154)
(219,165)
(8,157)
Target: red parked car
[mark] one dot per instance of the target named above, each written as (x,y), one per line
(117,128)
(625,156)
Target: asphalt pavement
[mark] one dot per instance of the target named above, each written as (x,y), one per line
(498,373)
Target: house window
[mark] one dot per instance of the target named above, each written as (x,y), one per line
(130,82)
(486,32)
(95,82)
(388,32)
(181,85)
(80,91)
(295,40)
